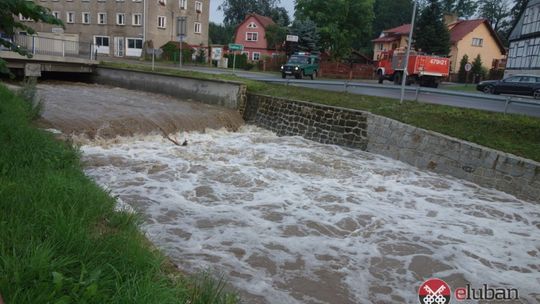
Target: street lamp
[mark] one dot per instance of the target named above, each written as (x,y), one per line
(406,67)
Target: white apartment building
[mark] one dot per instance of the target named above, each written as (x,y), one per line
(119,28)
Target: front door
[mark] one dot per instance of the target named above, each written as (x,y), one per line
(119,46)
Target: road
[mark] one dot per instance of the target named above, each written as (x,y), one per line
(492,103)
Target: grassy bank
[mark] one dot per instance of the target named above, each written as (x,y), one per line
(516,134)
(61,240)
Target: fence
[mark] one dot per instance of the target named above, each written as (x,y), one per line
(349,71)
(37,45)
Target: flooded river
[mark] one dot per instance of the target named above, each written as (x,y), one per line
(288,220)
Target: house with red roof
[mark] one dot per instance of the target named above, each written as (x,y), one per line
(467,37)
(391,39)
(251,33)
(473,38)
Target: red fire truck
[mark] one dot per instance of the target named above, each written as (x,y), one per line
(428,71)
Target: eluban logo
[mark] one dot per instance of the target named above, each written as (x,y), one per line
(486,293)
(434,291)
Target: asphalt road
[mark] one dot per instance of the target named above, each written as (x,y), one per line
(519,105)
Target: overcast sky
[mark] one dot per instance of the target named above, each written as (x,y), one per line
(217,16)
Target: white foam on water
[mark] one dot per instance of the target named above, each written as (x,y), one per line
(292,221)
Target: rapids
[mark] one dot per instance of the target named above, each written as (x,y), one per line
(288,220)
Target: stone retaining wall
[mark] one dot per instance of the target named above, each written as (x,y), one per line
(447,155)
(418,147)
(324,124)
(231,95)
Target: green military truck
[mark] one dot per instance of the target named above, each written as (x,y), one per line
(301,65)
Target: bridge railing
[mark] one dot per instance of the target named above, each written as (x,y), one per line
(37,45)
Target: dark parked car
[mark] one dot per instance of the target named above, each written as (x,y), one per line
(517,84)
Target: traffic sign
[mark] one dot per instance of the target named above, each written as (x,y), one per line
(235,47)
(468,67)
(292,38)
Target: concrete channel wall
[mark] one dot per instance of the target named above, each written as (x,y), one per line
(418,147)
(231,95)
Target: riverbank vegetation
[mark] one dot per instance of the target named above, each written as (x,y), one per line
(61,239)
(516,134)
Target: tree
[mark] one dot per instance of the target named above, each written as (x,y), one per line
(462,8)
(462,73)
(235,11)
(220,34)
(430,33)
(342,24)
(9,25)
(477,70)
(389,14)
(280,16)
(308,35)
(496,12)
(275,36)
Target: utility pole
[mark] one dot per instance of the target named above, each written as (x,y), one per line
(406,67)
(181,31)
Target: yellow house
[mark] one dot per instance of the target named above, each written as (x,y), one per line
(473,38)
(467,37)
(391,39)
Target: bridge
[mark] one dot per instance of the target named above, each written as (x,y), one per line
(51,55)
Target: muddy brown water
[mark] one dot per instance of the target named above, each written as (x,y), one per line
(287,220)
(106,112)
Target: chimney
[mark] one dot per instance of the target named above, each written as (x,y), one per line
(450,18)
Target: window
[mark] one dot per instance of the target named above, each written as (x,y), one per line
(477,42)
(134,47)
(252,36)
(101,40)
(198,27)
(102,18)
(252,25)
(161,21)
(381,47)
(120,19)
(134,43)
(513,79)
(56,14)
(256,56)
(136,19)
(86,18)
(182,4)
(198,6)
(527,79)
(102,44)
(70,17)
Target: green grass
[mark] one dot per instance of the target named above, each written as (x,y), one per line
(61,240)
(468,88)
(516,134)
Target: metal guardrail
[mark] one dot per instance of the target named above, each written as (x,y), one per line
(416,89)
(37,45)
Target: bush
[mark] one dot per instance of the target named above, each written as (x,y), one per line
(171,51)
(241,60)
(495,74)
(462,74)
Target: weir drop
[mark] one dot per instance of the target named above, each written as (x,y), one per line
(288,220)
